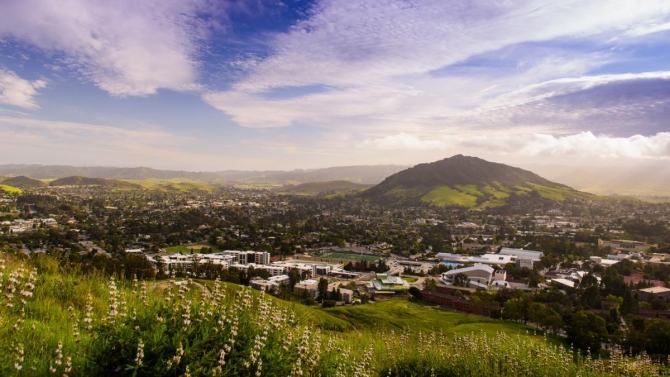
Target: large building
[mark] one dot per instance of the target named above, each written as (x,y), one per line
(478,276)
(626,245)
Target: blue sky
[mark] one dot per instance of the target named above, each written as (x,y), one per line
(270,84)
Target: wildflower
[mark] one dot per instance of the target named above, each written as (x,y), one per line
(140,353)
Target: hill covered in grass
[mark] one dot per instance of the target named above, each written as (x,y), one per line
(469,182)
(87,181)
(22,181)
(60,322)
(324,188)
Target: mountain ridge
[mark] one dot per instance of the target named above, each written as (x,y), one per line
(364,174)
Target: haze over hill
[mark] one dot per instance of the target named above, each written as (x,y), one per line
(647,178)
(372,174)
(469,182)
(87,181)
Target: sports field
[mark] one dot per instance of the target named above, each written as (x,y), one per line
(340,255)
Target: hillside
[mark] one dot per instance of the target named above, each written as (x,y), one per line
(87,181)
(65,322)
(469,182)
(22,182)
(324,188)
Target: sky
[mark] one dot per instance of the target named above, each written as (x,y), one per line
(208,85)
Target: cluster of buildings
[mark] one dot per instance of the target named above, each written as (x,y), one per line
(21,225)
(520,257)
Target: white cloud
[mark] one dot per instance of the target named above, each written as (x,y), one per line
(16,91)
(125,47)
(574,146)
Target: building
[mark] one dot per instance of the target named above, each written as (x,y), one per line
(647,293)
(626,245)
(523,258)
(246,257)
(478,276)
(385,284)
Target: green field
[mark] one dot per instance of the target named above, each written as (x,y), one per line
(340,255)
(11,189)
(187,248)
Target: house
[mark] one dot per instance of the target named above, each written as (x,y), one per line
(648,293)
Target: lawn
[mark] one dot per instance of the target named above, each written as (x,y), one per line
(445,195)
(410,279)
(347,256)
(399,314)
(187,248)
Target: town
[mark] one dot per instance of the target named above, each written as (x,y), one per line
(536,262)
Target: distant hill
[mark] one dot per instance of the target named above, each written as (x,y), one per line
(324,188)
(22,182)
(469,182)
(179,186)
(358,174)
(87,181)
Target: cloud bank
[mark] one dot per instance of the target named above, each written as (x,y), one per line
(124,47)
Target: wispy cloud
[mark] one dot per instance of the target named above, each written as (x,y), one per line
(16,91)
(125,47)
(379,59)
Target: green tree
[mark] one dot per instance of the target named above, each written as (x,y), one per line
(587,330)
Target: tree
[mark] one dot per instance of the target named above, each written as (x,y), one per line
(587,330)
(322,288)
(461,280)
(430,285)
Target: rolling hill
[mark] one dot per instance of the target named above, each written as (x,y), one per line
(324,188)
(468,182)
(22,182)
(87,181)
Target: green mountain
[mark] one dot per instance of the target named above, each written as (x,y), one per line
(324,188)
(469,182)
(22,182)
(87,181)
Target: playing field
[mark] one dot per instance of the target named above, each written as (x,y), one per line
(339,255)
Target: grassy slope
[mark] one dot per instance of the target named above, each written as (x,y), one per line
(178,186)
(402,314)
(331,187)
(467,195)
(445,195)
(11,189)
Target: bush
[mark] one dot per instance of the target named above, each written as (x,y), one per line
(328,303)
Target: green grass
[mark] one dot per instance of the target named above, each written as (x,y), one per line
(445,195)
(496,193)
(470,190)
(347,256)
(329,188)
(399,314)
(185,249)
(11,189)
(177,186)
(410,279)
(560,193)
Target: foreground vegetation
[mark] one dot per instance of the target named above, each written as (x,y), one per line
(64,323)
